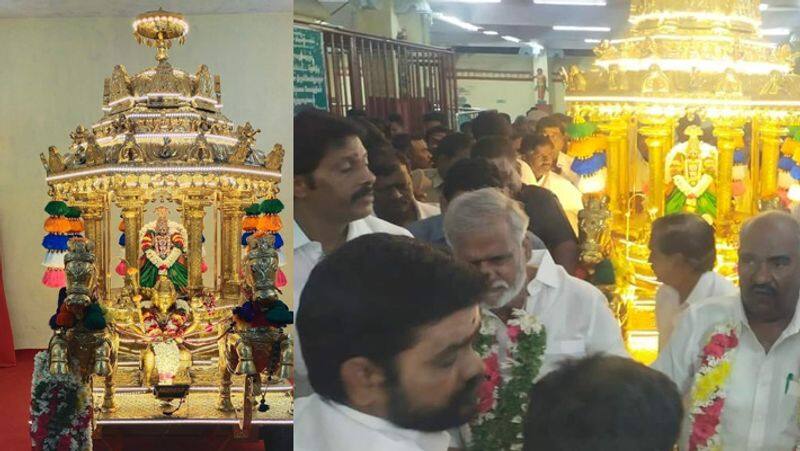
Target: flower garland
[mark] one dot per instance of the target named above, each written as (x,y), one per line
(708,390)
(503,400)
(61,410)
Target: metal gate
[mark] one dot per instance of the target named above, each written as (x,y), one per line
(384,76)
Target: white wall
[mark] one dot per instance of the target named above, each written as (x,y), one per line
(512,97)
(51,80)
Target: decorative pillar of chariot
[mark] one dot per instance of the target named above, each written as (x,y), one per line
(165,167)
(691,111)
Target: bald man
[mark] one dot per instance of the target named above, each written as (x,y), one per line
(754,404)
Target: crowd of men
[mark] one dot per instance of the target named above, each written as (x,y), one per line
(407,246)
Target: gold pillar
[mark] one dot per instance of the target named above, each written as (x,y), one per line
(727,132)
(194,204)
(92,211)
(770,141)
(656,132)
(616,154)
(131,203)
(231,212)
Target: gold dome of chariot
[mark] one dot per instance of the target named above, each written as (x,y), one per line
(162,127)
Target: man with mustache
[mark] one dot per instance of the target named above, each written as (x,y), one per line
(333,198)
(758,334)
(488,230)
(538,151)
(387,325)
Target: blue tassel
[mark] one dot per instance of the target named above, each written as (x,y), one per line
(245,236)
(740,156)
(122,239)
(786,163)
(590,165)
(795,172)
(55,242)
(278,241)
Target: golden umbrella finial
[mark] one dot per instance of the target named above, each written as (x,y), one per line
(159,28)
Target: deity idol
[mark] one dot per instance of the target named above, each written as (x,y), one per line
(691,172)
(163,248)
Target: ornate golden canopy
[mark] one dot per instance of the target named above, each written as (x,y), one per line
(162,128)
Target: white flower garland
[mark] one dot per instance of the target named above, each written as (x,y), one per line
(693,191)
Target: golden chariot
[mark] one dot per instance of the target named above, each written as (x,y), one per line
(693,110)
(162,148)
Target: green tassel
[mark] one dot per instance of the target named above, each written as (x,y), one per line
(73,212)
(253,210)
(93,318)
(271,206)
(794,132)
(582,130)
(56,208)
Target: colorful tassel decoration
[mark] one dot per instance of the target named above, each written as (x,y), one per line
(203,266)
(250,223)
(121,268)
(55,242)
(56,208)
(278,240)
(269,223)
(93,318)
(245,236)
(271,206)
(280,279)
(54,278)
(65,318)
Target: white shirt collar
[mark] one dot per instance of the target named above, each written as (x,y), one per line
(354,229)
(392,435)
(548,271)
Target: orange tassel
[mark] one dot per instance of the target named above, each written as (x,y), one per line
(250,223)
(790,147)
(76,225)
(121,226)
(57,224)
(269,223)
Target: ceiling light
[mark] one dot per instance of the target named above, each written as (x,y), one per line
(511,39)
(456,21)
(775,31)
(763,7)
(579,28)
(591,41)
(466,1)
(490,33)
(571,2)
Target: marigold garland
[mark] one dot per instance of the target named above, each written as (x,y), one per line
(708,390)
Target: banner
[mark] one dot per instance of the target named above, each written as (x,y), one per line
(309,69)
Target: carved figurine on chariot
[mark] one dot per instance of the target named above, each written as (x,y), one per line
(256,343)
(83,344)
(165,320)
(244,146)
(691,175)
(163,244)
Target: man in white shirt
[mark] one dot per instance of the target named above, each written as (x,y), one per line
(428,182)
(333,198)
(555,129)
(387,325)
(394,196)
(683,251)
(487,229)
(539,153)
(761,391)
